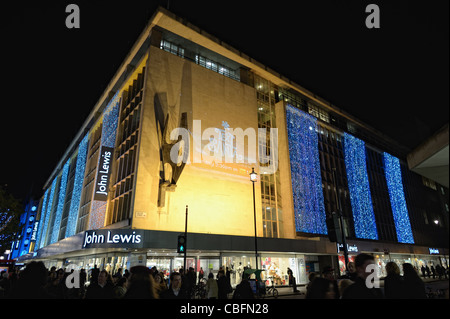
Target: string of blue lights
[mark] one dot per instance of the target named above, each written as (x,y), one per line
(43,237)
(358,184)
(306,178)
(61,200)
(41,222)
(397,197)
(77,187)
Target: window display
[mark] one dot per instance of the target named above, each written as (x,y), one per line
(236,265)
(162,265)
(342,263)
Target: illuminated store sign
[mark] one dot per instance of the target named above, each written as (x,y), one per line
(114,238)
(103,173)
(350,248)
(433,251)
(34,231)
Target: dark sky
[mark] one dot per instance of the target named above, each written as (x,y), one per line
(394,78)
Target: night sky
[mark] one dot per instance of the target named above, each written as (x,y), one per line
(394,78)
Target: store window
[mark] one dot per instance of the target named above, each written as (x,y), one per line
(209,265)
(276,269)
(178,263)
(341,259)
(236,266)
(162,265)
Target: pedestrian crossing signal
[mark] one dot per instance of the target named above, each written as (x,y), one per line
(181,247)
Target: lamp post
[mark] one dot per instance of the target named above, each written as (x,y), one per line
(341,220)
(253,179)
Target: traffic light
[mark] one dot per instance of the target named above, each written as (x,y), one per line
(181,247)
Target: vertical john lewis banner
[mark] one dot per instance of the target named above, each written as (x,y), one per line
(103,173)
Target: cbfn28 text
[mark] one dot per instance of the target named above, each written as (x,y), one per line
(245,308)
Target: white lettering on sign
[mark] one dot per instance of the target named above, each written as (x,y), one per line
(94,238)
(433,251)
(104,170)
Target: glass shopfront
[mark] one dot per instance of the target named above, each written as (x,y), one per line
(274,266)
(416,260)
(236,265)
(171,264)
(162,264)
(209,265)
(341,258)
(110,262)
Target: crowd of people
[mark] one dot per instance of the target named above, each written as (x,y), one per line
(140,282)
(35,281)
(354,284)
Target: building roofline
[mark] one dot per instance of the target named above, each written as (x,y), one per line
(171,22)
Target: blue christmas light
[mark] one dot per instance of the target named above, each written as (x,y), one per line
(48,211)
(60,205)
(110,122)
(41,220)
(358,184)
(77,187)
(397,196)
(307,191)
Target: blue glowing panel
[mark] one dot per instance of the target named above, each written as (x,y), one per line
(307,190)
(77,187)
(397,196)
(110,122)
(109,130)
(60,205)
(42,218)
(43,238)
(358,184)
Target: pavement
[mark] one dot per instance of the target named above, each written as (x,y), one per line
(432,286)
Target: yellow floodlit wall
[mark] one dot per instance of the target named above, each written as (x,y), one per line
(219,196)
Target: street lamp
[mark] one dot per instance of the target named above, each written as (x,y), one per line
(253,179)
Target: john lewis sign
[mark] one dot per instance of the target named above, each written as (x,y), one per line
(103,173)
(113,238)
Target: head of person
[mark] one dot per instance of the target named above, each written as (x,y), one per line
(141,281)
(328,273)
(409,271)
(392,268)
(122,282)
(351,267)
(35,274)
(175,280)
(321,288)
(158,278)
(363,263)
(312,276)
(102,277)
(60,274)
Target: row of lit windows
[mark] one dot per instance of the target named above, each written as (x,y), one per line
(270,184)
(200,60)
(123,180)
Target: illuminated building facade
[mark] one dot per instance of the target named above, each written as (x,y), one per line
(26,238)
(117,198)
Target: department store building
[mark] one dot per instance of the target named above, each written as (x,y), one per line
(117,199)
